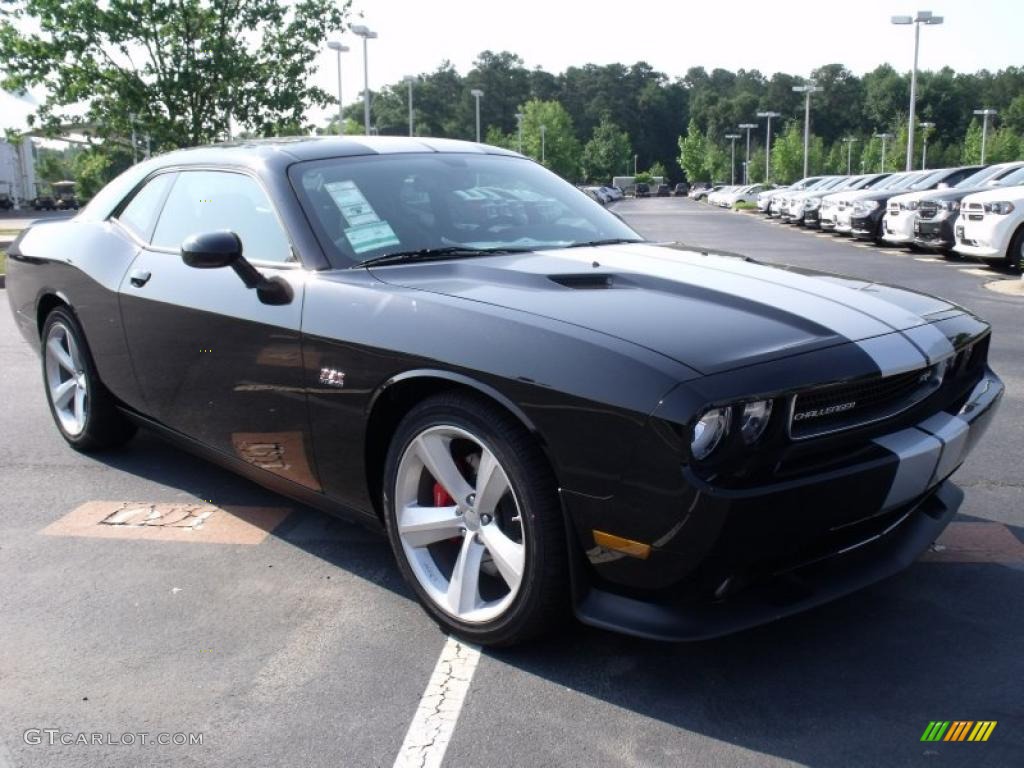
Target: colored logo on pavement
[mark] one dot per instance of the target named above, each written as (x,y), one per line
(958,730)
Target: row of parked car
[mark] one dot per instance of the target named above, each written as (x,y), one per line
(971,210)
(726,196)
(603,195)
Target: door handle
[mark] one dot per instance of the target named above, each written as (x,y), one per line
(139,277)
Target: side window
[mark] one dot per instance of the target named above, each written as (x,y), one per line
(205,201)
(140,213)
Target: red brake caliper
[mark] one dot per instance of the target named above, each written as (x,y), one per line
(441,497)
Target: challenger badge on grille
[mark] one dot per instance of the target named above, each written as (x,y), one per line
(817,413)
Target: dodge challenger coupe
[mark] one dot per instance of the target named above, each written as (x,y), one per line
(546,413)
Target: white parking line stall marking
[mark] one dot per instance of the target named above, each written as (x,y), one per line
(434,722)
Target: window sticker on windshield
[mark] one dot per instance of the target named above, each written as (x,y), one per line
(368,237)
(351,202)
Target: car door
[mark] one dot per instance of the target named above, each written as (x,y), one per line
(212,361)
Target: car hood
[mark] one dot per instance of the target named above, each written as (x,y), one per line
(710,312)
(1014,194)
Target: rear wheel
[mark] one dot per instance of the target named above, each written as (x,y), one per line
(474,521)
(81,406)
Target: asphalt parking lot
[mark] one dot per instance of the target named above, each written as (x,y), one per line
(292,640)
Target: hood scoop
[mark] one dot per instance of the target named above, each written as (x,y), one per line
(591,281)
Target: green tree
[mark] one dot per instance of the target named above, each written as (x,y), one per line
(53,164)
(756,171)
(185,69)
(607,153)
(559,150)
(788,155)
(693,153)
(1003,146)
(971,152)
(657,169)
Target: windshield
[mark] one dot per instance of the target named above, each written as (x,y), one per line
(1012,179)
(931,179)
(902,181)
(823,183)
(805,183)
(371,206)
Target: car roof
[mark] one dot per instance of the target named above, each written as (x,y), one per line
(299,148)
(276,154)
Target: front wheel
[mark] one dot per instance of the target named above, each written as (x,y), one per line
(473,518)
(1015,254)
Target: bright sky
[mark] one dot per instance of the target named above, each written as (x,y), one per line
(671,35)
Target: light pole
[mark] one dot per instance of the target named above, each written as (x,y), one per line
(807,90)
(543,148)
(367,34)
(884,137)
(925,127)
(519,128)
(746,163)
(732,163)
(768,144)
(923,17)
(635,158)
(476,94)
(849,141)
(985,114)
(135,154)
(338,48)
(409,80)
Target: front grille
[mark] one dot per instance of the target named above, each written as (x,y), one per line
(844,406)
(927,210)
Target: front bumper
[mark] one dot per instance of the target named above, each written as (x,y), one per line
(766,561)
(987,237)
(899,228)
(865,227)
(812,218)
(935,234)
(843,218)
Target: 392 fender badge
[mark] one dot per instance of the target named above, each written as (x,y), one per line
(332,377)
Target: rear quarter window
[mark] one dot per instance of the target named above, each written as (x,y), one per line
(140,214)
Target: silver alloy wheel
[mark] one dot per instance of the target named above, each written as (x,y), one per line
(468,556)
(66,379)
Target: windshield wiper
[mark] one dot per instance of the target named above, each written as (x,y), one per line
(609,241)
(435,254)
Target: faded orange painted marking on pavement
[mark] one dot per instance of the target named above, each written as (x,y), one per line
(169,521)
(976,543)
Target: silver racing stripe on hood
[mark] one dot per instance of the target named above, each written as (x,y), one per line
(896,339)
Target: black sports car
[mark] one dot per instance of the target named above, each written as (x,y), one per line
(545,413)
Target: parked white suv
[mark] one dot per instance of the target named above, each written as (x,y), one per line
(991,226)
(898,224)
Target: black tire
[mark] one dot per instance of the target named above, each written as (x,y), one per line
(543,597)
(104,427)
(1015,255)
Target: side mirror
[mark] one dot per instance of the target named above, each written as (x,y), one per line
(211,250)
(943,185)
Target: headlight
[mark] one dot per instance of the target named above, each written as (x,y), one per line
(755,419)
(949,205)
(1002,208)
(910,206)
(812,202)
(865,206)
(709,431)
